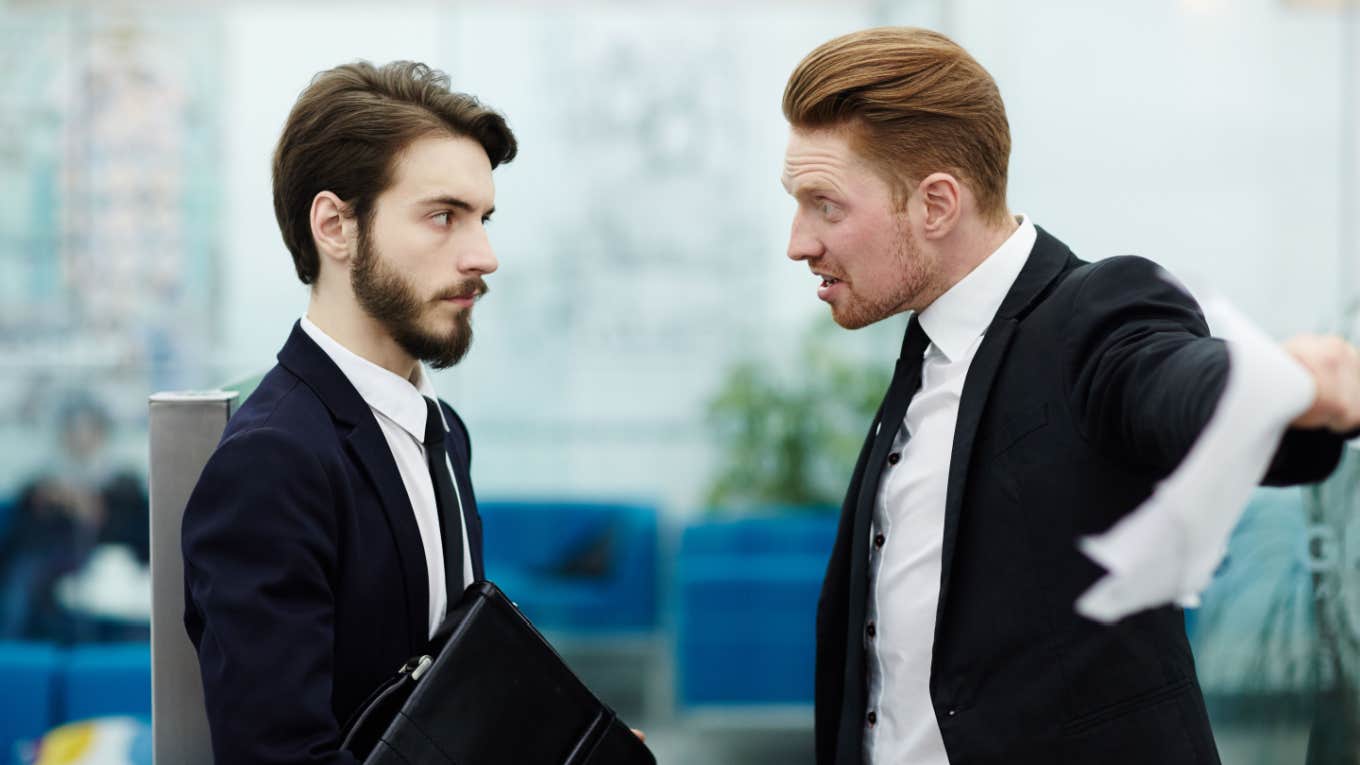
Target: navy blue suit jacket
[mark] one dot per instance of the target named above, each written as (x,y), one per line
(305,578)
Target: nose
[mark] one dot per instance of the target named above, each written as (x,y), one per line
(478,257)
(803,243)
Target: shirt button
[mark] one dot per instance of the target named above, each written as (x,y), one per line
(894,458)
(871,630)
(879,540)
(872,718)
(952,712)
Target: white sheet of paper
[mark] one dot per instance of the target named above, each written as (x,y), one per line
(1167,549)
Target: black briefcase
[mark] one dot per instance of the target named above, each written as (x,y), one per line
(490,691)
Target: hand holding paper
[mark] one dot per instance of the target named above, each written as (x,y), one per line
(1167,549)
(1335,367)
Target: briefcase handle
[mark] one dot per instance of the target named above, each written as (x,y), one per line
(368,721)
(371,718)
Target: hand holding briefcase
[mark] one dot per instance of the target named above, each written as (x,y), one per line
(491,691)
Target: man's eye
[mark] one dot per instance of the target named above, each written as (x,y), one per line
(486,219)
(826,207)
(443,218)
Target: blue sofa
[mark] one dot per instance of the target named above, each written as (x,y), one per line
(105,681)
(28,705)
(46,686)
(579,567)
(746,609)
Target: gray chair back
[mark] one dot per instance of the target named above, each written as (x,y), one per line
(185,428)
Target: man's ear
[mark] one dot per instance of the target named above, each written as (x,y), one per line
(939,195)
(333,228)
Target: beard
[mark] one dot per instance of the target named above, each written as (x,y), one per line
(391,300)
(916,279)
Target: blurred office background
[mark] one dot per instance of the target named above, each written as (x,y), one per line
(662,414)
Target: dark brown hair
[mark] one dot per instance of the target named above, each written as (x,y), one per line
(914,103)
(346,131)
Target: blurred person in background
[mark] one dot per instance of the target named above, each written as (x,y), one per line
(1037,398)
(81,504)
(335,524)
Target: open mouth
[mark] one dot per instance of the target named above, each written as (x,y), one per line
(828,289)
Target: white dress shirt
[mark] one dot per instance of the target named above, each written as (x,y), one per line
(398,405)
(908,524)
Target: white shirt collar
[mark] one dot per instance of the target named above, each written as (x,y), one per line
(398,399)
(963,313)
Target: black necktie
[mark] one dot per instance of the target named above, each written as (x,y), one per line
(446,499)
(906,381)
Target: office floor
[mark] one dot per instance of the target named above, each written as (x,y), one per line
(635,680)
(680,743)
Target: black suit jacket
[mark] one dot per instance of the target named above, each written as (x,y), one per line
(1090,385)
(304,572)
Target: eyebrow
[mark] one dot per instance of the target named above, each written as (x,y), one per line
(454,202)
(808,189)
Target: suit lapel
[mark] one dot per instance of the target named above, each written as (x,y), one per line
(368,444)
(832,609)
(908,371)
(1045,263)
(976,388)
(369,448)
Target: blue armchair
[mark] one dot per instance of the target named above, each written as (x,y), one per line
(581,567)
(747,602)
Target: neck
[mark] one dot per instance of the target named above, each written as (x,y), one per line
(352,327)
(970,245)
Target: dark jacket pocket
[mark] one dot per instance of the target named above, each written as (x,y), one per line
(1166,726)
(1020,424)
(1127,706)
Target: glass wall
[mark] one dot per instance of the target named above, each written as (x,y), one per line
(648,361)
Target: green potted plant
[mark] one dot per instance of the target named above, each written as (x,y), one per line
(788,438)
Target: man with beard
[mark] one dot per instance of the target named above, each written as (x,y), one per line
(1037,398)
(335,524)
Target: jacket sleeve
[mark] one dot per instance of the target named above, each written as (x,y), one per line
(1144,376)
(259,544)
